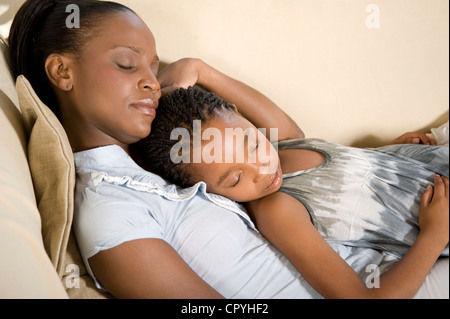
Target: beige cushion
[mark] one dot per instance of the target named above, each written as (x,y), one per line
(52,168)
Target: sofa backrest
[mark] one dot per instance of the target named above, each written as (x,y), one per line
(25,268)
(355,72)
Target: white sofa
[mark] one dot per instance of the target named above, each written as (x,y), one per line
(355,72)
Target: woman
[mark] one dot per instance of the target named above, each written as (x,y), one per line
(139,236)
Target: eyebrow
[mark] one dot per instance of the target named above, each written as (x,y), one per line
(138,50)
(227,173)
(132,48)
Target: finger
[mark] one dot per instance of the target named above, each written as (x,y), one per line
(426,197)
(446,184)
(425,139)
(418,137)
(167,90)
(439,186)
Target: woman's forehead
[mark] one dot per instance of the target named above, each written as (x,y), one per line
(124,29)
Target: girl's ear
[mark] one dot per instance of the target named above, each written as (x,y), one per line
(57,69)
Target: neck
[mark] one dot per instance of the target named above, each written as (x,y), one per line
(82,137)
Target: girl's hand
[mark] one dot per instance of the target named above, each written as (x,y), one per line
(434,209)
(180,74)
(253,105)
(414,138)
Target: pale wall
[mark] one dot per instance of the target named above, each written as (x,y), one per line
(318,59)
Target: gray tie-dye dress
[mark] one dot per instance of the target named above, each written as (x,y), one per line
(366,197)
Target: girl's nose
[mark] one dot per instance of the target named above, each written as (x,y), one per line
(257,171)
(258,177)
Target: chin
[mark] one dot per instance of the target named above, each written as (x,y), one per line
(271,191)
(142,133)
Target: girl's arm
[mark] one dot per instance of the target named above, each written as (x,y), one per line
(286,223)
(253,105)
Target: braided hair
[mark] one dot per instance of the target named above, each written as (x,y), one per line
(177,110)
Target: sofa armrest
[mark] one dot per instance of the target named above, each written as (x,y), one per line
(25,268)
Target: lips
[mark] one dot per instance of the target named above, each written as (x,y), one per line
(147,106)
(274,181)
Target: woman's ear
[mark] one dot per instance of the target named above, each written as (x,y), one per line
(57,69)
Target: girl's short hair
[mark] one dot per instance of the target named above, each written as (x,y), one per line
(40,29)
(177,110)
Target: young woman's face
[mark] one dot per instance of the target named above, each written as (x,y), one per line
(248,167)
(115,92)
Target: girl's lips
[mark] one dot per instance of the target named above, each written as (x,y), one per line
(275,181)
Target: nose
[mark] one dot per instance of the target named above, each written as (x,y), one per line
(258,177)
(257,170)
(263,167)
(264,159)
(150,83)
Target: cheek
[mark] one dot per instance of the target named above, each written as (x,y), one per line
(104,92)
(117,82)
(102,81)
(245,192)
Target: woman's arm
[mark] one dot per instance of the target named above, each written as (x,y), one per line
(148,268)
(286,223)
(253,105)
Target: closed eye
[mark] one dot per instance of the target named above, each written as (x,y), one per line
(257,145)
(238,180)
(125,67)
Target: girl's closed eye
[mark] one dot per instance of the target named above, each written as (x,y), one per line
(238,180)
(257,145)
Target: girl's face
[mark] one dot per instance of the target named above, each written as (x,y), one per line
(115,92)
(248,167)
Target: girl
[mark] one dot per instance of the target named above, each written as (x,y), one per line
(330,193)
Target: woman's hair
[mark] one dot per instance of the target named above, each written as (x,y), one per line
(40,29)
(177,110)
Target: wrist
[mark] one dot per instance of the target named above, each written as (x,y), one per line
(205,74)
(434,238)
(202,71)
